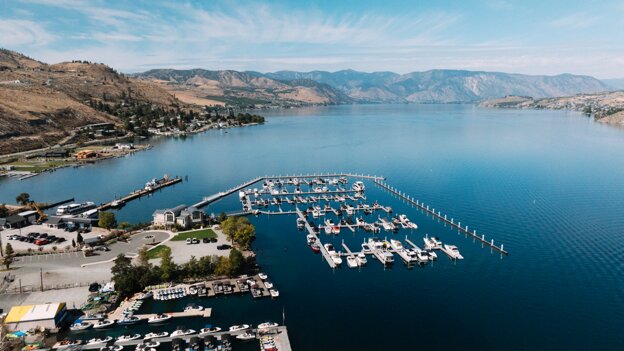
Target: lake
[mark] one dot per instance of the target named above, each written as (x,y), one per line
(546,184)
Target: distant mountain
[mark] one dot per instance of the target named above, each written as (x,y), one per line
(446,86)
(617,84)
(206,87)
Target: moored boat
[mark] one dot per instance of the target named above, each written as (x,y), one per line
(246,336)
(209,329)
(182,332)
(267,325)
(79,326)
(156,335)
(103,324)
(239,327)
(96,341)
(352,262)
(159,318)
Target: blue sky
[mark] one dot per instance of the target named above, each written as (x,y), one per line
(534,37)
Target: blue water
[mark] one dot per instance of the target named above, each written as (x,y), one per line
(546,184)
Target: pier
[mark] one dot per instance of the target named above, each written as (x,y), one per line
(141,192)
(311,231)
(442,217)
(218,196)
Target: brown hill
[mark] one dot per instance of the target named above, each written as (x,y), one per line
(40,104)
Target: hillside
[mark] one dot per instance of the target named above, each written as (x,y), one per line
(604,107)
(40,104)
(446,86)
(206,87)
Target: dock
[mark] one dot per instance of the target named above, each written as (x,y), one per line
(442,217)
(311,231)
(280,335)
(218,196)
(141,192)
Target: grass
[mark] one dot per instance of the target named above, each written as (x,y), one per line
(199,234)
(155,252)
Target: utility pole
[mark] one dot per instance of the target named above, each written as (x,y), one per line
(41,276)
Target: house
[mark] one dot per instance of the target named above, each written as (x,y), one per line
(181,215)
(86,154)
(13,221)
(55,222)
(56,154)
(48,316)
(31,216)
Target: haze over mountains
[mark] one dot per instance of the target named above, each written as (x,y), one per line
(348,86)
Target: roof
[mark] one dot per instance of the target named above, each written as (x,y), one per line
(27,213)
(12,219)
(55,220)
(27,313)
(176,210)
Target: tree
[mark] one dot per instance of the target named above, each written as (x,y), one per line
(73,243)
(238,230)
(236,262)
(9,254)
(107,220)
(23,198)
(4,211)
(222,217)
(167,266)
(79,238)
(124,225)
(144,256)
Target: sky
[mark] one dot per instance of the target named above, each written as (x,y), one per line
(531,37)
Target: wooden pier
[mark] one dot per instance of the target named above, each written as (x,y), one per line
(442,217)
(141,192)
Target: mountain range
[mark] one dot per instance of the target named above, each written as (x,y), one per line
(348,86)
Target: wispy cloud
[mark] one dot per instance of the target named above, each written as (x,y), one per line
(23,33)
(577,20)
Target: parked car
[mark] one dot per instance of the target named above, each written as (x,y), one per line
(189,241)
(213,240)
(206,240)
(43,235)
(223,247)
(195,241)
(41,242)
(94,287)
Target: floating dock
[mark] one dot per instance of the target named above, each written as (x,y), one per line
(311,231)
(141,192)
(443,218)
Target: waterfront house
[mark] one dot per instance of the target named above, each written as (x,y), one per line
(181,215)
(48,316)
(55,222)
(13,222)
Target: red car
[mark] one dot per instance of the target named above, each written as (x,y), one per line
(41,242)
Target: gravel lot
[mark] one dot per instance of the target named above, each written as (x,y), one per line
(23,246)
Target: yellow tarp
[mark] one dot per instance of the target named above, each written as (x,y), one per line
(17,313)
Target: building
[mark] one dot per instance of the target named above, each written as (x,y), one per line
(31,216)
(48,316)
(86,154)
(181,215)
(55,222)
(13,222)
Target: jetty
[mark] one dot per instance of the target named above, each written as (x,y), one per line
(161,183)
(444,218)
(311,231)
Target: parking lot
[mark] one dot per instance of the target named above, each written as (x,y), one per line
(42,238)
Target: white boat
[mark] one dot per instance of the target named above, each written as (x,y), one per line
(65,344)
(300,223)
(267,325)
(335,257)
(129,320)
(311,238)
(182,332)
(111,348)
(274,293)
(423,256)
(397,245)
(366,248)
(193,308)
(361,259)
(432,255)
(240,327)
(352,262)
(452,251)
(432,243)
(268,284)
(103,324)
(151,344)
(156,335)
(144,296)
(209,330)
(80,326)
(159,318)
(96,341)
(329,247)
(246,336)
(128,337)
(263,276)
(409,256)
(358,186)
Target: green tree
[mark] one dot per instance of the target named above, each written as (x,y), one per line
(4,211)
(9,256)
(222,217)
(79,238)
(223,266)
(239,230)
(73,243)
(167,266)
(23,198)
(107,220)
(124,225)
(236,262)
(144,256)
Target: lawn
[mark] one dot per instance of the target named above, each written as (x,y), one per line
(199,234)
(155,252)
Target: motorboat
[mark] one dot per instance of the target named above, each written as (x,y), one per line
(151,344)
(358,186)
(408,256)
(193,308)
(209,329)
(144,296)
(352,262)
(246,336)
(329,247)
(263,276)
(267,325)
(361,259)
(128,337)
(315,247)
(452,251)
(365,248)
(274,293)
(96,341)
(65,344)
(396,244)
(335,257)
(111,348)
(240,327)
(103,324)
(432,243)
(268,284)
(156,335)
(311,239)
(432,255)
(300,223)
(159,318)
(182,332)
(129,320)
(423,256)
(80,326)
